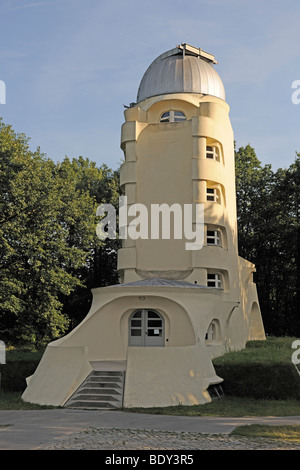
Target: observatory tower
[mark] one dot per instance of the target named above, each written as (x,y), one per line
(179,303)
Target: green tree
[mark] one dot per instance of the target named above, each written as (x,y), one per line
(100,269)
(268,228)
(47,239)
(286,199)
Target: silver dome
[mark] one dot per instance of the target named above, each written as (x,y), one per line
(184,69)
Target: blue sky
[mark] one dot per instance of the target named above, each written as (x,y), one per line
(70,65)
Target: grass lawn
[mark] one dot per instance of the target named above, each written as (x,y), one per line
(13,401)
(230,406)
(226,406)
(286,433)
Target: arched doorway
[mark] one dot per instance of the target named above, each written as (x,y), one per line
(146,328)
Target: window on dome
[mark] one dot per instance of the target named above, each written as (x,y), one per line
(173,116)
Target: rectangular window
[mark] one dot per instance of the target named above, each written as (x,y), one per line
(135,332)
(154,323)
(213,237)
(212,153)
(212,194)
(214,280)
(154,332)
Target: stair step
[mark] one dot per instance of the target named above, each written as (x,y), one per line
(85,396)
(100,390)
(113,373)
(101,386)
(105,379)
(93,404)
(104,384)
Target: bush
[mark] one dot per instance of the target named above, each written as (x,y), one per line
(19,365)
(263,370)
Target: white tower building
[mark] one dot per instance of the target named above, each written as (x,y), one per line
(176,308)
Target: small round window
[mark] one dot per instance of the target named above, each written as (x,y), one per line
(173,116)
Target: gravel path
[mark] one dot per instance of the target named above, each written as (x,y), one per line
(63,429)
(132,439)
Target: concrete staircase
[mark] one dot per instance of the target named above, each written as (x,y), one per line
(101,390)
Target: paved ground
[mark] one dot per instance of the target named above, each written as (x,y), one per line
(116,430)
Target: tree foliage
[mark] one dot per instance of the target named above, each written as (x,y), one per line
(100,185)
(268,227)
(49,248)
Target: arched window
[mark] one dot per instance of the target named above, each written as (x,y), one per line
(172,116)
(213,334)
